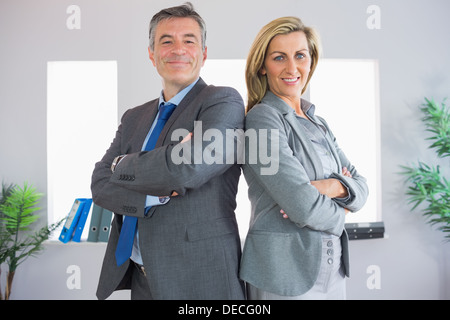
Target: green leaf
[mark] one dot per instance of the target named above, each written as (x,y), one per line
(437,121)
(19,207)
(428,186)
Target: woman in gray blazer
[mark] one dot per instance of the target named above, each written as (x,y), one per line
(296,247)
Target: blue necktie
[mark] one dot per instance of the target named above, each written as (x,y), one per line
(128,231)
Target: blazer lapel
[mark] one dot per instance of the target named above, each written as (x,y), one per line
(144,123)
(199,86)
(289,115)
(308,148)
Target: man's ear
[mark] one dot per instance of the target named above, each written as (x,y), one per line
(205,55)
(151,56)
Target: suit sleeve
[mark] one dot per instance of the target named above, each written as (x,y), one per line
(109,195)
(154,172)
(290,186)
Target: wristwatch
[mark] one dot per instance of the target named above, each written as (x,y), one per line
(116,162)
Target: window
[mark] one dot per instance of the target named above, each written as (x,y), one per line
(345,93)
(81,122)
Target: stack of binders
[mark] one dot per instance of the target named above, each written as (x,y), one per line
(366,230)
(100,224)
(76,219)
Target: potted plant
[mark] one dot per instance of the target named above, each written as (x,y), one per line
(428,184)
(17,241)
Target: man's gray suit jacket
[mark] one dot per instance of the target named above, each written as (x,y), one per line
(280,255)
(190,246)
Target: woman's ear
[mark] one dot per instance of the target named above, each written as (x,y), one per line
(263,71)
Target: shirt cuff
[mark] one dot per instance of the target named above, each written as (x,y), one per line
(151,201)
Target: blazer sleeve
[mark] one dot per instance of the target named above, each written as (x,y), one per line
(107,194)
(290,186)
(154,172)
(356,185)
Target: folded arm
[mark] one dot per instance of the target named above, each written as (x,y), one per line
(291,187)
(155,172)
(331,188)
(353,181)
(108,195)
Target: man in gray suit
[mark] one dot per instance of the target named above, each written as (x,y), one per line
(186,246)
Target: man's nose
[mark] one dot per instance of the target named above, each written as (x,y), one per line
(178,49)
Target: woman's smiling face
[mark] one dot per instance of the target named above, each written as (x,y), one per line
(287,65)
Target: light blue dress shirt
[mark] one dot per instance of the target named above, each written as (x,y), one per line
(154,200)
(316,132)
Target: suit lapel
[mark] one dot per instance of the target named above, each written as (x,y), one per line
(199,86)
(144,122)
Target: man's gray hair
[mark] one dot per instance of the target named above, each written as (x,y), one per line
(184,11)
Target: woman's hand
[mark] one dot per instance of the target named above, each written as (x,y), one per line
(332,188)
(346,173)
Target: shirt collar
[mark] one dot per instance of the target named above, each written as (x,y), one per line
(179,96)
(307,107)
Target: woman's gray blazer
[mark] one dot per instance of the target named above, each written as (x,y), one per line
(280,255)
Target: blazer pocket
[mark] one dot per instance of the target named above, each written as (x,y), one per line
(271,234)
(209,229)
(276,246)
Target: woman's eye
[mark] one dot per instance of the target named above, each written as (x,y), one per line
(278,58)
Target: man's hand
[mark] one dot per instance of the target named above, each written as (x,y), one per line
(187,138)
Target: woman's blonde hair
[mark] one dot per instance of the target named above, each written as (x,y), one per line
(257,85)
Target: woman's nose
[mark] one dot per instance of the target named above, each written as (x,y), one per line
(291,66)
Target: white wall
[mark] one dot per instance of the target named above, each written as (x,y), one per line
(410,45)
